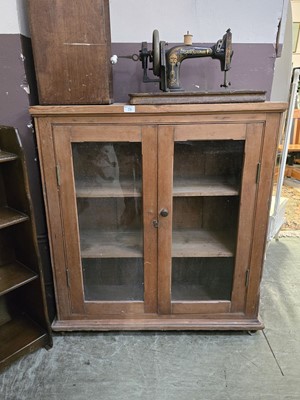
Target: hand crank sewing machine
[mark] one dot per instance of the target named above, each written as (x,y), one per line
(166,63)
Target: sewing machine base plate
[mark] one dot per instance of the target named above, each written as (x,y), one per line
(228,96)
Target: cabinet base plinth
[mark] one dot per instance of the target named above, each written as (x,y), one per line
(161,324)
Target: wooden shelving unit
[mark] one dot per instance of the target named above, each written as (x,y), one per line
(24,325)
(13,276)
(20,335)
(5,156)
(9,217)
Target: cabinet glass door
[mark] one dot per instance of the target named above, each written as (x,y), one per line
(102,189)
(206,187)
(206,215)
(108,187)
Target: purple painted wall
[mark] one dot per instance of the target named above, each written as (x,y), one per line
(16,71)
(14,103)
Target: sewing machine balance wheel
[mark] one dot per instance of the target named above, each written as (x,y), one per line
(156,52)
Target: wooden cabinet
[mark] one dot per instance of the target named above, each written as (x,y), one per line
(157,217)
(24,324)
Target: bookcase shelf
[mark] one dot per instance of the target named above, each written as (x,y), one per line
(24,325)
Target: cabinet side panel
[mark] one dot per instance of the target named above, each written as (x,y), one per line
(53,213)
(270,142)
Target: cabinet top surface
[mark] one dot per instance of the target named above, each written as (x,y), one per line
(125,109)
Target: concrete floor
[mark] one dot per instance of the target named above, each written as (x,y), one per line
(178,366)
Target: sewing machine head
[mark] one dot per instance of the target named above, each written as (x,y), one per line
(166,63)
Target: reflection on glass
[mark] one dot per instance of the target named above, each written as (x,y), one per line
(108,181)
(206,188)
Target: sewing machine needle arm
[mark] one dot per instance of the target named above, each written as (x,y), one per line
(225,83)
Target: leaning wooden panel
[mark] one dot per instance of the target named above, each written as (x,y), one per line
(72,49)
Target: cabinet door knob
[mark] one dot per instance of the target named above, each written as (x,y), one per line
(164,212)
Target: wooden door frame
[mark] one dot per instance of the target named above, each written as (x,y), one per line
(245,232)
(252,134)
(165,201)
(63,137)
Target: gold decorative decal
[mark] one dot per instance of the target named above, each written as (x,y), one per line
(173,58)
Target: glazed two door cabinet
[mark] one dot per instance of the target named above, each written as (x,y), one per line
(157,215)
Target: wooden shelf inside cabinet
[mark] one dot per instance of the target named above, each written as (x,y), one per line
(95,244)
(107,189)
(13,276)
(205,186)
(9,216)
(202,243)
(186,243)
(20,335)
(5,156)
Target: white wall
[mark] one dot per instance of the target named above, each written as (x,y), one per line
(252,21)
(9,17)
(283,64)
(23,17)
(296,18)
(13,17)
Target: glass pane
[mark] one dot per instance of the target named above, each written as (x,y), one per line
(113,279)
(206,188)
(197,162)
(202,278)
(108,181)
